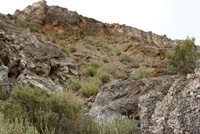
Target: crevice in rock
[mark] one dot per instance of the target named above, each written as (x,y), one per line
(13,73)
(5,59)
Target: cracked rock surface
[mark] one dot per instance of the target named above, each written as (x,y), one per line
(25,59)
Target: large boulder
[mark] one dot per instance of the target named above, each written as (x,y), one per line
(122,98)
(25,59)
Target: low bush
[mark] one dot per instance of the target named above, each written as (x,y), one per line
(154,61)
(114,126)
(120,75)
(105,58)
(118,50)
(72,84)
(104,76)
(90,89)
(3,93)
(134,64)
(95,80)
(106,67)
(91,71)
(143,72)
(52,112)
(95,63)
(18,126)
(12,17)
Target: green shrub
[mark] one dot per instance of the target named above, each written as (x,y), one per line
(18,126)
(86,126)
(183,58)
(106,67)
(118,50)
(134,64)
(95,63)
(90,89)
(95,80)
(105,58)
(65,51)
(3,93)
(45,111)
(91,71)
(120,75)
(143,72)
(12,17)
(104,76)
(154,61)
(24,24)
(72,84)
(114,126)
(119,126)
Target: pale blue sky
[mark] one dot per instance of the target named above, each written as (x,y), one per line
(175,18)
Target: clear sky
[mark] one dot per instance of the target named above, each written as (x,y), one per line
(175,18)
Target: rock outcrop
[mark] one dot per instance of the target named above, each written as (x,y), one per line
(62,20)
(163,105)
(123,97)
(177,113)
(25,59)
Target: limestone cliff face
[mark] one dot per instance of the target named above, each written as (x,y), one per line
(62,20)
(25,59)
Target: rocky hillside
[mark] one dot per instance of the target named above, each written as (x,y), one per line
(127,48)
(118,71)
(25,59)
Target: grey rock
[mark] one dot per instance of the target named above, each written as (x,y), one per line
(175,113)
(31,61)
(121,99)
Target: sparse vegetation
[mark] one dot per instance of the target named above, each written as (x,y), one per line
(134,64)
(65,51)
(120,75)
(106,67)
(91,86)
(23,24)
(118,50)
(104,76)
(143,72)
(72,84)
(91,71)
(18,126)
(3,93)
(113,126)
(72,48)
(154,61)
(183,58)
(95,63)
(105,58)
(90,89)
